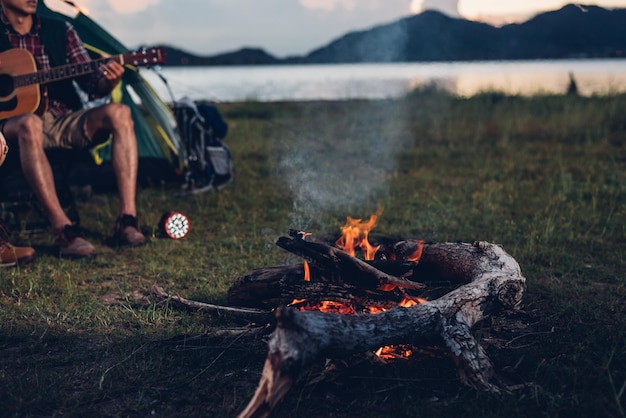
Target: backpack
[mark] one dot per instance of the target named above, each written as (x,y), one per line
(209,162)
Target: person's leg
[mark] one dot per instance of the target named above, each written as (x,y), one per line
(27,132)
(116,120)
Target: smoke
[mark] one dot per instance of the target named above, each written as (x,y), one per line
(341,163)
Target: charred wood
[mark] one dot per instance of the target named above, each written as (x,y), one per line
(350,269)
(492,282)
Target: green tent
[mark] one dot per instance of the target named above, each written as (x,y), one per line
(155,126)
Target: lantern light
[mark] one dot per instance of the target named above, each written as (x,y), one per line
(175,225)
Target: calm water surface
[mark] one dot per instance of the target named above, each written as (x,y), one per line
(346,81)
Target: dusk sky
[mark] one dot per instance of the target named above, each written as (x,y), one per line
(282,27)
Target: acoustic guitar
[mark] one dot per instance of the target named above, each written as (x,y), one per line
(22,86)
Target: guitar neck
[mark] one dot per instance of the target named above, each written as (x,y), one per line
(150,56)
(62,72)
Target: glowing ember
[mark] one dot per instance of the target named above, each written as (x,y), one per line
(387,287)
(392,352)
(418,253)
(375,309)
(330,306)
(411,301)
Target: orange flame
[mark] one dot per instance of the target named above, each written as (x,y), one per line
(307,272)
(354,235)
(296,302)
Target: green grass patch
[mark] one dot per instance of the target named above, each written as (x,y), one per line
(544,176)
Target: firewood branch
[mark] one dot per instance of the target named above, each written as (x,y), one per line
(350,269)
(249,314)
(493,282)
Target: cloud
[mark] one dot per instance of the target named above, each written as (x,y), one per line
(449,7)
(348,5)
(328,5)
(281,27)
(134,6)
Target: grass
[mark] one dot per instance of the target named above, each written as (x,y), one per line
(545,176)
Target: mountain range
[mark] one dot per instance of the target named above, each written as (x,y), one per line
(574,31)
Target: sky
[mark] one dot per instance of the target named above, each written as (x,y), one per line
(282,27)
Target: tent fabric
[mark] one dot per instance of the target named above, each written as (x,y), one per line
(155,126)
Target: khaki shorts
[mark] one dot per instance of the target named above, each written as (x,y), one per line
(67,131)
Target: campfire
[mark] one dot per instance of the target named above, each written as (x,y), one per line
(351,297)
(355,238)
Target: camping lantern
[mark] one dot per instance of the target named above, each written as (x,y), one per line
(175,225)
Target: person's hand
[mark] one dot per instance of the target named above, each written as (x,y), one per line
(112,72)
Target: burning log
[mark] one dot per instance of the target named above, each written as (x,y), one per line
(349,268)
(336,275)
(490,280)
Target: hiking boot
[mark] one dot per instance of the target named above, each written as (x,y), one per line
(10,255)
(127,231)
(71,243)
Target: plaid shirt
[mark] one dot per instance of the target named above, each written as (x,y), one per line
(75,53)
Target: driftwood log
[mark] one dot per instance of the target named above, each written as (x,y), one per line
(488,279)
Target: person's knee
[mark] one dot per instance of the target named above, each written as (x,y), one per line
(119,116)
(30,130)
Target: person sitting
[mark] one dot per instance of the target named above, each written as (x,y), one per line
(10,255)
(65,124)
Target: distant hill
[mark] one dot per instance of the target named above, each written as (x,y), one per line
(571,32)
(244,56)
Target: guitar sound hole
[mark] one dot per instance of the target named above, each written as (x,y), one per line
(6,85)
(8,105)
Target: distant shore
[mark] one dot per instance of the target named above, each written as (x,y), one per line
(383,81)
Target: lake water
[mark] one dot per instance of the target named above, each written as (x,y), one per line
(348,81)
